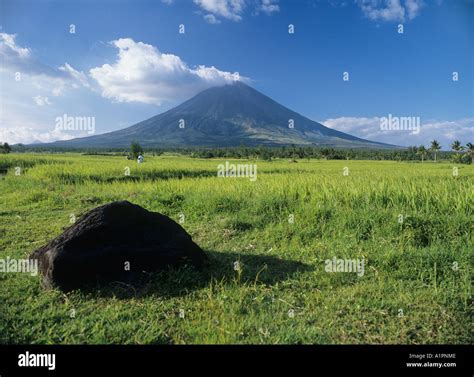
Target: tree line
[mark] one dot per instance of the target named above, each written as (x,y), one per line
(459,153)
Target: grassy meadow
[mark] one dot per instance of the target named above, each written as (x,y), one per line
(416,287)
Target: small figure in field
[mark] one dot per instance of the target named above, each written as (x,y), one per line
(140,158)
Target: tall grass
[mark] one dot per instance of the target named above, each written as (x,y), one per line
(420,267)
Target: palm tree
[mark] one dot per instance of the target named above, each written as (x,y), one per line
(435,147)
(422,152)
(470,149)
(456,146)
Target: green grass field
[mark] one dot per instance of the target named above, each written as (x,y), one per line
(416,287)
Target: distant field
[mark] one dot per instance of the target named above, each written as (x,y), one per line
(416,287)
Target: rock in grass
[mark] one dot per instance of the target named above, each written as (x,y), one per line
(115,242)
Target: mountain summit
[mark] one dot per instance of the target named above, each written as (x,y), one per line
(224,116)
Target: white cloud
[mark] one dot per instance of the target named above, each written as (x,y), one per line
(78,77)
(230,9)
(369,128)
(360,127)
(390,10)
(9,48)
(210,18)
(41,101)
(26,108)
(29,135)
(234,9)
(269,6)
(142,73)
(20,59)
(22,125)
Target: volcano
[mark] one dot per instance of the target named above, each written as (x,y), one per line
(225,116)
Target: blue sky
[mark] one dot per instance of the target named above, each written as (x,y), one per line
(127,61)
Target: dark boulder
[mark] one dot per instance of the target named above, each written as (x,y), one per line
(115,242)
